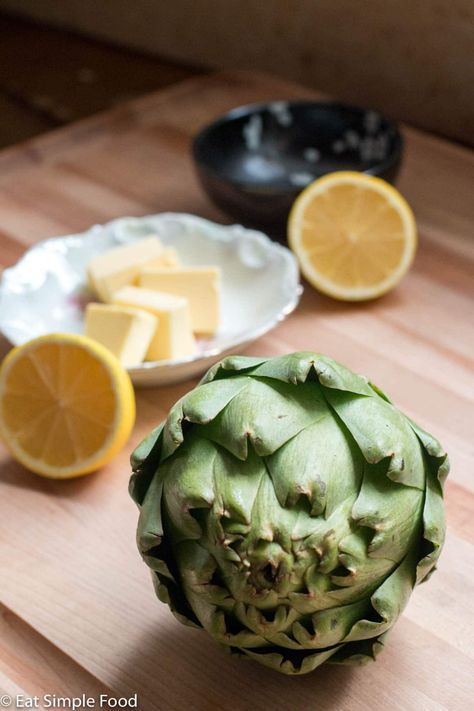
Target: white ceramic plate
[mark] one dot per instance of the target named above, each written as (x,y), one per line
(46,291)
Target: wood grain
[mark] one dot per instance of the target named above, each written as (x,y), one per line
(31,665)
(71,575)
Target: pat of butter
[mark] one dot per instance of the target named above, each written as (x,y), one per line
(200,285)
(120,266)
(125,331)
(173,337)
(168,258)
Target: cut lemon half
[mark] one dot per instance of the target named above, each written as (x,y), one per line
(354,235)
(66,405)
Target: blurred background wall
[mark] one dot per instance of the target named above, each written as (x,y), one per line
(412,59)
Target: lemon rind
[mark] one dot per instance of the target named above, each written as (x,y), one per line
(320,281)
(121,424)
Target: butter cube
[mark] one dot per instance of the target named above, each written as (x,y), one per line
(119,266)
(125,331)
(168,258)
(200,285)
(173,337)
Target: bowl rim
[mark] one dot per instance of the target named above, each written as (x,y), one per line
(238,112)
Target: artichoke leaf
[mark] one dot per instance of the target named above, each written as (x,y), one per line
(150,524)
(391,510)
(198,575)
(307,603)
(221,624)
(245,638)
(266,413)
(433,448)
(329,627)
(380,392)
(292,369)
(359,653)
(150,531)
(362,568)
(199,406)
(228,367)
(323,536)
(270,523)
(293,663)
(381,432)
(297,368)
(144,461)
(319,463)
(434,523)
(389,600)
(144,450)
(266,625)
(189,485)
(236,486)
(170,594)
(205,596)
(266,553)
(242,590)
(204,403)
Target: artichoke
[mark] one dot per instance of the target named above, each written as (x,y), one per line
(288,508)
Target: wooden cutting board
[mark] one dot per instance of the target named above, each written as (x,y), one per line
(78,614)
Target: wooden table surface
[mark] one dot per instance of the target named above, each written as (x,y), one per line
(78,613)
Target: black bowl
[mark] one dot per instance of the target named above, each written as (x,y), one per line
(254,160)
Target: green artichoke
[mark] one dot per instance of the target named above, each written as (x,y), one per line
(288,508)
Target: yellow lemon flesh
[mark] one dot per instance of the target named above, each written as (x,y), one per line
(354,235)
(66,405)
